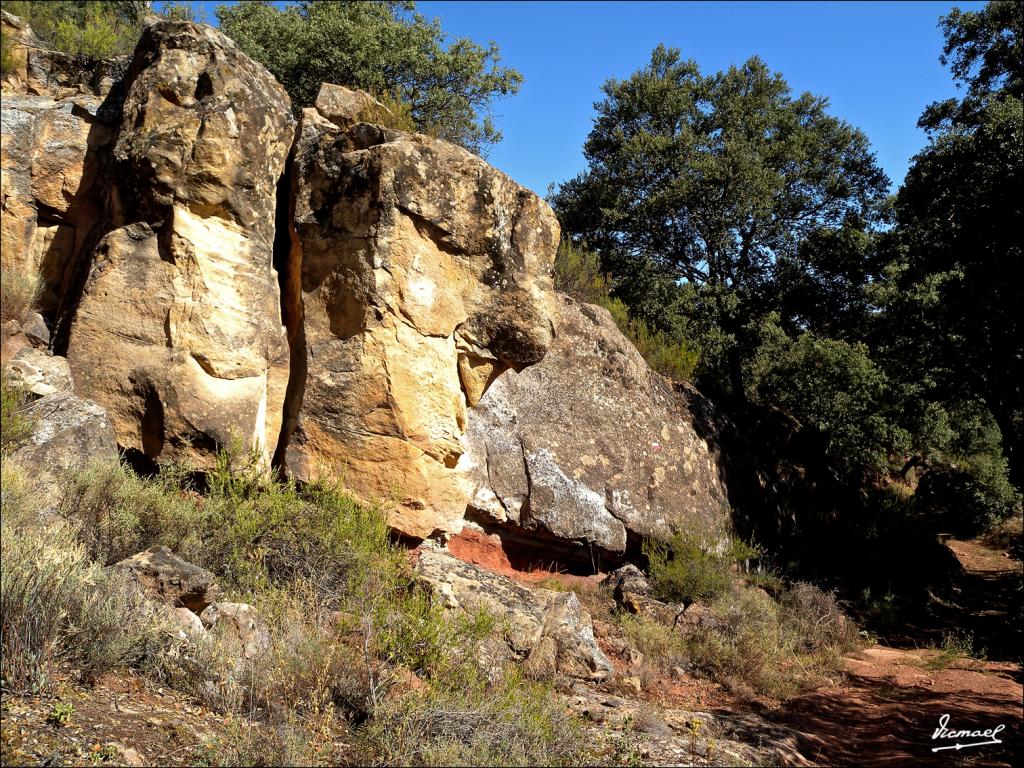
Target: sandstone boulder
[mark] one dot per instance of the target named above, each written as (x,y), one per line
(163,575)
(548,628)
(422,273)
(178,330)
(345,107)
(47,173)
(590,445)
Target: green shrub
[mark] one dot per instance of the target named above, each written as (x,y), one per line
(969,496)
(691,567)
(93,30)
(119,513)
(397,114)
(512,722)
(15,419)
(752,643)
(57,605)
(7,61)
(662,645)
(19,292)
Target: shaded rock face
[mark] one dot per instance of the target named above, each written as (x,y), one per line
(590,445)
(550,629)
(422,273)
(178,330)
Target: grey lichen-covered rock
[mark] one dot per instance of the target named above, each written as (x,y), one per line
(38,373)
(165,576)
(68,432)
(178,331)
(548,627)
(590,444)
(421,273)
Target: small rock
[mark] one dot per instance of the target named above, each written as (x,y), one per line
(36,330)
(164,575)
(241,621)
(191,626)
(628,579)
(632,685)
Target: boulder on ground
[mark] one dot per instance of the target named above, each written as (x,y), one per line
(241,623)
(164,575)
(590,445)
(538,623)
(68,433)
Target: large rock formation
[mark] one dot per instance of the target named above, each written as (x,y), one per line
(422,273)
(178,330)
(44,164)
(532,618)
(415,287)
(590,445)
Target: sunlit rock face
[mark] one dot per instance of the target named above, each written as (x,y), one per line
(422,273)
(178,330)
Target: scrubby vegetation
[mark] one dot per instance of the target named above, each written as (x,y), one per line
(360,654)
(90,30)
(691,567)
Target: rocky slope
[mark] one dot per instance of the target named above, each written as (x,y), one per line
(348,300)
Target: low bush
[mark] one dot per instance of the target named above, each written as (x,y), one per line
(15,418)
(753,644)
(92,30)
(19,292)
(661,645)
(691,567)
(514,721)
(58,605)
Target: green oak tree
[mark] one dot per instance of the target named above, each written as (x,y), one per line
(384,48)
(701,185)
(952,298)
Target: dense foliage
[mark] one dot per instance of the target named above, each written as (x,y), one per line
(867,347)
(383,48)
(91,30)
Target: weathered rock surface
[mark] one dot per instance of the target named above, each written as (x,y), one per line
(422,273)
(178,330)
(68,432)
(590,445)
(242,623)
(38,373)
(165,576)
(539,623)
(46,160)
(345,107)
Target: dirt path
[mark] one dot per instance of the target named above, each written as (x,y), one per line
(887,710)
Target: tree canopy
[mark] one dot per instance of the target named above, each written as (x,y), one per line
(952,294)
(714,181)
(382,47)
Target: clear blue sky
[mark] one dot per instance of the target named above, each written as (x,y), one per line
(877,62)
